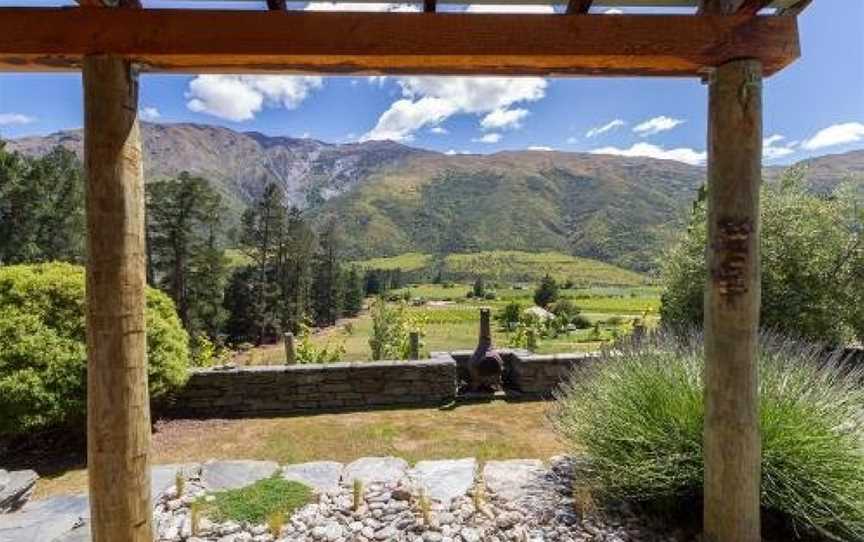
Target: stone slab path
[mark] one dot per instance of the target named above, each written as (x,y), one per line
(520,500)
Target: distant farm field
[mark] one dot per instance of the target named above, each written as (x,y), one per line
(508,266)
(451,320)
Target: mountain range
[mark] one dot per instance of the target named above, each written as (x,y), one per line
(390,198)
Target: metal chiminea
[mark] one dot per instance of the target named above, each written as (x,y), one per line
(485,368)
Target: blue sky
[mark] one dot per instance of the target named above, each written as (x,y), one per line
(814,107)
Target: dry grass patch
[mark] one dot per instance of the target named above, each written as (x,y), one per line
(496,430)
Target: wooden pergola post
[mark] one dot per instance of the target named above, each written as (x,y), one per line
(732,448)
(118,406)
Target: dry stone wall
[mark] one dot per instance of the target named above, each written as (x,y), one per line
(288,389)
(297,389)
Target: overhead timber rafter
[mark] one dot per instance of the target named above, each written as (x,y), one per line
(795,8)
(208,41)
(578,6)
(732,7)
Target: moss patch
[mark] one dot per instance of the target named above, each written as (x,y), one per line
(255,503)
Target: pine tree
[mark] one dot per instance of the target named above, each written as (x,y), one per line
(353,292)
(327,287)
(298,250)
(186,259)
(41,207)
(262,234)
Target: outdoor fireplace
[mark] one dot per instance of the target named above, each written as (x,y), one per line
(486,366)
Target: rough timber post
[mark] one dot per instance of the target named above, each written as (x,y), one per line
(732,296)
(118,407)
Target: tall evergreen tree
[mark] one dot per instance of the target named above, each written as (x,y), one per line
(298,250)
(262,236)
(187,260)
(327,287)
(354,288)
(41,207)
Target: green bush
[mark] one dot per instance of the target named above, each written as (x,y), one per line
(546,292)
(390,336)
(812,264)
(43,356)
(638,420)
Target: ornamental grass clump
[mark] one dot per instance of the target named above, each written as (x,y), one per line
(637,418)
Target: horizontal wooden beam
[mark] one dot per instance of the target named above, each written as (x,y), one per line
(578,6)
(207,41)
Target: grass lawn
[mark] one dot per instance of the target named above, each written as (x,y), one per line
(496,430)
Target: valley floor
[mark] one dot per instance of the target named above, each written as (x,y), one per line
(452,320)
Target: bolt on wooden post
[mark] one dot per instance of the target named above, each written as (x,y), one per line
(732,448)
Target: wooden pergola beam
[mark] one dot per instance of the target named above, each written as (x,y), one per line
(795,9)
(732,7)
(578,6)
(430,6)
(278,5)
(207,41)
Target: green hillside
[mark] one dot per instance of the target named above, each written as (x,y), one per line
(606,208)
(508,266)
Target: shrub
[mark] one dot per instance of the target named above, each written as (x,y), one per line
(307,352)
(509,317)
(638,418)
(812,262)
(527,333)
(565,309)
(479,288)
(391,330)
(43,358)
(546,292)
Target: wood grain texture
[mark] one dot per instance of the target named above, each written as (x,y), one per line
(118,407)
(732,299)
(205,41)
(795,9)
(579,6)
(730,7)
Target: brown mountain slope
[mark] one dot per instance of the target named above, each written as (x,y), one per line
(393,199)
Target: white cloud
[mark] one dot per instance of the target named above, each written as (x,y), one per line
(504,8)
(451,152)
(149,113)
(360,6)
(15,118)
(406,116)
(688,156)
(772,150)
(540,148)
(613,11)
(572,139)
(488,138)
(657,125)
(440,130)
(504,119)
(240,97)
(608,127)
(428,101)
(838,134)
